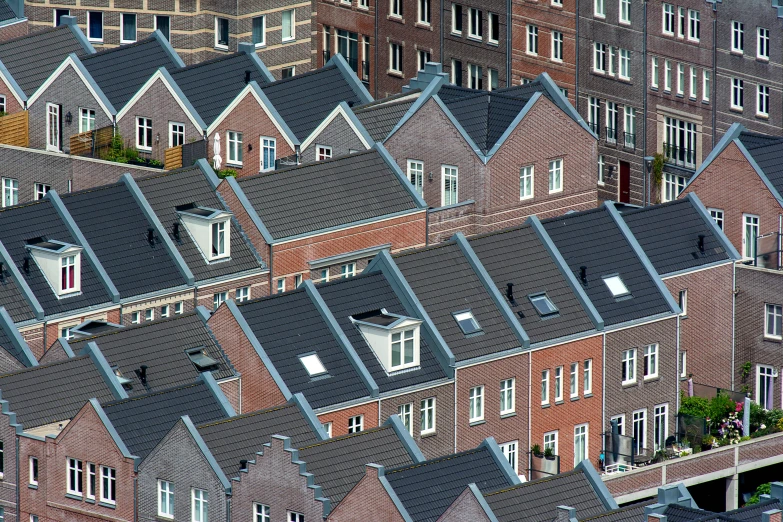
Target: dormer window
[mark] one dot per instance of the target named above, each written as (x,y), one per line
(209,229)
(543,305)
(60,264)
(312,364)
(395,339)
(616,286)
(467,323)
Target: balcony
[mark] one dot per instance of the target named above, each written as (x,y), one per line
(629,140)
(680,156)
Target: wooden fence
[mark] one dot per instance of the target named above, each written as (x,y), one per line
(14,129)
(172,158)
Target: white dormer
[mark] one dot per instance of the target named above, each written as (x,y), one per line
(60,263)
(395,339)
(210,229)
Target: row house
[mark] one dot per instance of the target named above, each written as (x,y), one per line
(280,34)
(483,173)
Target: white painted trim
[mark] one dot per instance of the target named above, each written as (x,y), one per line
(329,119)
(147,86)
(56,74)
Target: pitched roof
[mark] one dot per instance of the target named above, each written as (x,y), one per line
(380,117)
(538,500)
(166,191)
(241,437)
(284,339)
(445,283)
(212,85)
(593,239)
(349,189)
(669,234)
(121,71)
(426,490)
(305,100)
(161,345)
(117,229)
(143,421)
(767,151)
(519,257)
(339,463)
(40,219)
(366,293)
(53,392)
(32,58)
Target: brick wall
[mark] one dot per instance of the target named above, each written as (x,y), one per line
(368,500)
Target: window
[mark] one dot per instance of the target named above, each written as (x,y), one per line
(532,39)
(422,57)
(680,79)
(683,301)
(475,29)
(10,192)
(149,314)
(750,231)
(416,175)
(428,416)
(580,443)
(668,19)
(694,80)
(200,505)
(630,128)
(68,273)
(402,349)
(295,517)
(33,475)
(774,313)
(765,385)
(281,285)
(545,387)
(91,486)
(620,423)
(163,24)
(355,424)
(737,37)
(555,175)
(218,245)
(611,122)
(558,383)
(651,361)
(550,441)
(86,120)
(259,31)
(510,451)
(475,77)
(53,127)
(58,14)
(654,75)
(507,398)
(312,364)
(95,26)
(599,57)
(625,64)
(717,216)
(127,28)
(526,182)
(625,11)
(405,411)
(218,299)
(395,58)
(323,153)
(178,307)
(762,43)
(694,25)
(660,426)
(450,189)
(706,87)
(629,366)
(143,133)
(261,513)
(164,311)
(165,499)
(599,8)
(395,8)
(234,145)
(108,485)
(243,294)
(456,19)
(467,322)
(476,403)
(268,154)
(221,33)
(289,25)
(75,476)
(762,101)
(639,431)
(557,46)
(176,134)
(594,114)
(494,28)
(424,12)
(587,377)
(737,93)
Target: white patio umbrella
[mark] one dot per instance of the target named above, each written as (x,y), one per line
(217,161)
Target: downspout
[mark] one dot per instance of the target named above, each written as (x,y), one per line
(645,174)
(576,61)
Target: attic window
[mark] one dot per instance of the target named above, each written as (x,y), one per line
(467,322)
(312,363)
(59,262)
(616,286)
(209,228)
(395,339)
(202,361)
(544,306)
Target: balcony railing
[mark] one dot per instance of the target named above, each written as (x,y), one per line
(611,134)
(629,140)
(679,156)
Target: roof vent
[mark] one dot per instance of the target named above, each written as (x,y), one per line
(142,373)
(583,274)
(151,236)
(701,243)
(175,231)
(247,77)
(510,293)
(202,361)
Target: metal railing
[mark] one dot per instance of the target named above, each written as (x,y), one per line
(629,140)
(679,156)
(611,134)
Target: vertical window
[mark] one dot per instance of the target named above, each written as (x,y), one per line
(108,485)
(694,25)
(737,37)
(682,301)
(127,28)
(651,361)
(395,8)
(599,8)
(762,101)
(660,426)
(424,11)
(405,411)
(218,239)
(558,383)
(221,33)
(532,39)
(762,43)
(774,313)
(680,79)
(199,505)
(668,19)
(163,24)
(74,478)
(588,377)
(348,270)
(95,26)
(289,25)
(416,175)
(456,19)
(640,431)
(67,273)
(625,11)
(10,192)
(545,387)
(750,231)
(707,86)
(580,443)
(629,366)
(630,128)
(526,182)
(476,404)
(550,442)
(234,145)
(450,186)
(611,122)
(654,74)
(717,216)
(507,396)
(259,31)
(428,415)
(323,153)
(91,485)
(475,77)
(218,299)
(555,175)
(176,134)
(573,380)
(494,28)
(355,424)
(86,119)
(601,167)
(33,471)
(395,58)
(475,23)
(557,46)
(510,451)
(144,133)
(165,499)
(737,93)
(261,513)
(268,153)
(599,57)
(243,294)
(765,385)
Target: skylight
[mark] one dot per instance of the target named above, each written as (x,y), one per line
(467,322)
(312,364)
(544,305)
(616,286)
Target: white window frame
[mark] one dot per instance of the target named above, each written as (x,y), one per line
(507,396)
(556,175)
(544,387)
(773,317)
(762,43)
(629,362)
(144,124)
(124,40)
(651,361)
(428,412)
(581,432)
(476,404)
(526,182)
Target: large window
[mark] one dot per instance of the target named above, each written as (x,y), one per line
(428,416)
(10,192)
(268,153)
(507,396)
(555,175)
(476,404)
(288,25)
(416,175)
(774,314)
(629,366)
(143,133)
(737,37)
(580,443)
(660,426)
(234,146)
(526,182)
(450,186)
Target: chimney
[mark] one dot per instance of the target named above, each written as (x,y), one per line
(583,274)
(247,77)
(701,243)
(510,292)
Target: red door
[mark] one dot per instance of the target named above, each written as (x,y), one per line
(625,182)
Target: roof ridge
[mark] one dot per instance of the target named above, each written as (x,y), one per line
(346,437)
(437,460)
(47,365)
(246,415)
(538,481)
(306,165)
(119,48)
(111,404)
(134,327)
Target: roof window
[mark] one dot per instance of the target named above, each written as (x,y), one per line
(544,306)
(209,228)
(202,361)
(59,262)
(312,363)
(467,322)
(394,338)
(616,286)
